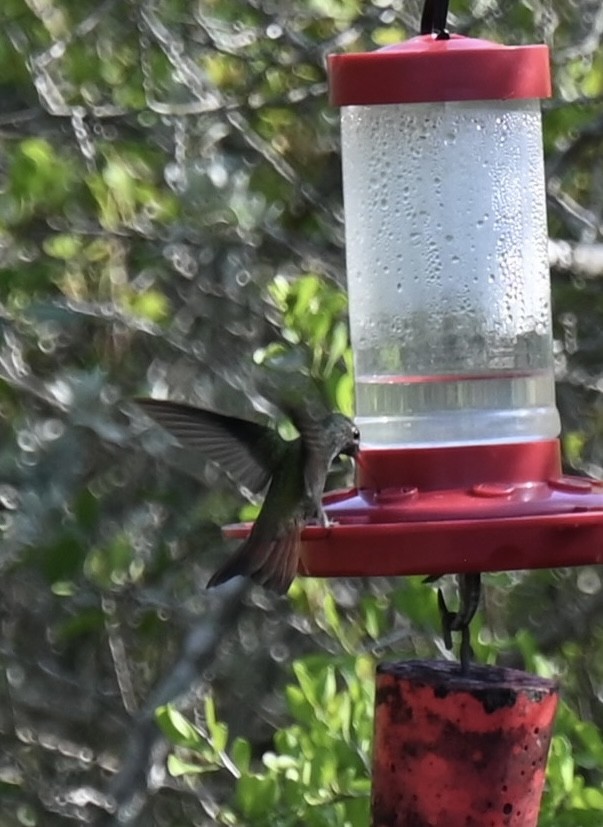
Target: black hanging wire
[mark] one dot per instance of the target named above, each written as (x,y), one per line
(433,19)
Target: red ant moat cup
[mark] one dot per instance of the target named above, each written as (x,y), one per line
(454,750)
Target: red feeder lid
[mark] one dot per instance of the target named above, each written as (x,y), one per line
(424,69)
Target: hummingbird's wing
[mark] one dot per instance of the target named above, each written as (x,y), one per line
(299,397)
(246,451)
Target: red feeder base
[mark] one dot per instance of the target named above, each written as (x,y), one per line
(455,750)
(457,509)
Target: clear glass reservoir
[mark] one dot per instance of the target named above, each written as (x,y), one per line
(447,272)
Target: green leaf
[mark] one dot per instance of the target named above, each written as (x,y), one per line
(307,682)
(38,150)
(62,246)
(593,798)
(344,394)
(151,305)
(326,685)
(331,613)
(177,729)
(590,737)
(63,588)
(337,346)
(562,762)
(256,795)
(298,704)
(218,731)
(241,754)
(278,762)
(372,617)
(177,767)
(249,512)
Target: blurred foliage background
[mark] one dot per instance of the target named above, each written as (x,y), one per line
(170,205)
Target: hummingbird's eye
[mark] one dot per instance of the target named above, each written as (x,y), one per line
(355,434)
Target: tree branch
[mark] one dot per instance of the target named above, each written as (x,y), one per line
(129,789)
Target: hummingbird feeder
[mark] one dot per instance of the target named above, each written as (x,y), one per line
(450,317)
(459,469)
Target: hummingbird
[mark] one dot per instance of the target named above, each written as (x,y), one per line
(256,456)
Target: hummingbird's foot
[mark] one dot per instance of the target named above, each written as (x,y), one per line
(446,619)
(321,517)
(465,650)
(459,621)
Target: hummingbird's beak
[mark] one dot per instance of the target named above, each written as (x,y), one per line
(350,450)
(367,473)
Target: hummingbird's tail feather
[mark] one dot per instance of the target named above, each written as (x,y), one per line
(272,564)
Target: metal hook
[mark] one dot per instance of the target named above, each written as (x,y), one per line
(433,19)
(459,621)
